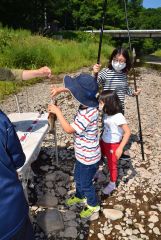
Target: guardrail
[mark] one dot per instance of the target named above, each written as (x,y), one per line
(133,33)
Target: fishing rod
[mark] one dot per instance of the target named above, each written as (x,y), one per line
(135,85)
(101,32)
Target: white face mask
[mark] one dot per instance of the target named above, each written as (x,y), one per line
(118,66)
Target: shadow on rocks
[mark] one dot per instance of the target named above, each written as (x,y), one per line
(53,184)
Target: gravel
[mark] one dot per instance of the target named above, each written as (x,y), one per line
(138,196)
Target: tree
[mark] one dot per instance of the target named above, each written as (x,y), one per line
(77,14)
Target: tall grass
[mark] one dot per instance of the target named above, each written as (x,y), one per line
(21,49)
(157,53)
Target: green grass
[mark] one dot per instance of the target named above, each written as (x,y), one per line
(20,49)
(157,53)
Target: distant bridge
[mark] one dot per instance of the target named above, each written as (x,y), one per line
(133,33)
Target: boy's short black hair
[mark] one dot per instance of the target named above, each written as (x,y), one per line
(125,54)
(112,104)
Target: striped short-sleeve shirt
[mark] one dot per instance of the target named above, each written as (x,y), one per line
(86,139)
(112,80)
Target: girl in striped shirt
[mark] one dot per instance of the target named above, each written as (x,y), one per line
(114,77)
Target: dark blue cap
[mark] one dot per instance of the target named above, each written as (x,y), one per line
(84,88)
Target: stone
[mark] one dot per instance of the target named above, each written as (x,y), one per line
(44,168)
(118,227)
(62,191)
(50,177)
(94,216)
(70,232)
(133,237)
(72,223)
(119,207)
(47,200)
(50,221)
(112,214)
(101,236)
(145,198)
(69,215)
(151,225)
(120,198)
(156,231)
(128,232)
(159,207)
(108,231)
(141,229)
(81,236)
(153,219)
(141,213)
(49,184)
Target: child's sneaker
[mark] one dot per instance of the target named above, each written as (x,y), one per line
(88,211)
(74,200)
(109,188)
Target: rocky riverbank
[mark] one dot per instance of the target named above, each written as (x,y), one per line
(135,207)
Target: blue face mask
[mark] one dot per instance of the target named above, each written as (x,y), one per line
(118,66)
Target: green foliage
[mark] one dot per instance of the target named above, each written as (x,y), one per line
(77,14)
(79,36)
(148,45)
(149,19)
(73,14)
(6,89)
(157,53)
(5,39)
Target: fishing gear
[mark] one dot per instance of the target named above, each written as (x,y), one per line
(101,33)
(51,119)
(52,128)
(135,86)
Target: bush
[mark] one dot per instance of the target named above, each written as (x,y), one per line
(157,53)
(148,45)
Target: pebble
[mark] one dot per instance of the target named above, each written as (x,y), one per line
(101,236)
(112,214)
(153,219)
(156,231)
